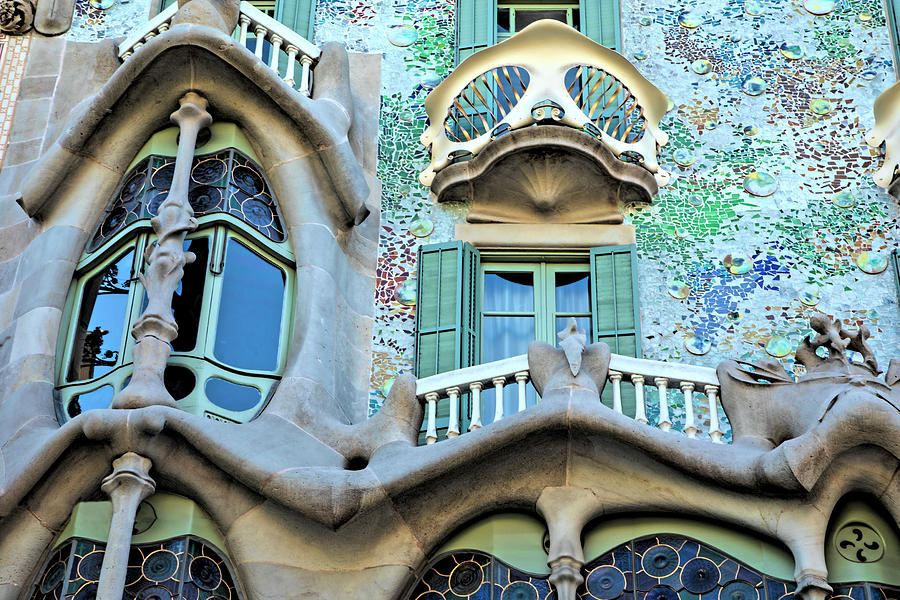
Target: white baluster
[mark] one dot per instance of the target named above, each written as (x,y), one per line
(640,412)
(616,379)
(522,379)
(431,430)
(714,432)
(126,56)
(163,27)
(260,32)
(498,382)
(292,51)
(245,23)
(453,427)
(150,35)
(689,428)
(276,50)
(664,423)
(475,388)
(137,46)
(305,64)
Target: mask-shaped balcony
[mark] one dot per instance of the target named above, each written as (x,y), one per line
(886,135)
(546,127)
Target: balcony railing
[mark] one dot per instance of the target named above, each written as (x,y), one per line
(548,73)
(690,379)
(251,21)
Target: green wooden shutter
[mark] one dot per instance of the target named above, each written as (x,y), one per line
(447,318)
(476,26)
(895,267)
(893,13)
(299,15)
(600,22)
(615,315)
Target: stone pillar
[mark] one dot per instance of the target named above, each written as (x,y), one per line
(165,261)
(126,486)
(566,511)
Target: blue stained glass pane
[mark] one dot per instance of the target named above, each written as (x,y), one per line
(249,325)
(231,396)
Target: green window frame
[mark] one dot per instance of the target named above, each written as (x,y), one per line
(476,22)
(892,7)
(895,269)
(238,269)
(299,15)
(507,12)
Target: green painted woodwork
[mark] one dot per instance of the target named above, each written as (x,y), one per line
(892,8)
(895,268)
(174,516)
(840,570)
(299,15)
(512,10)
(514,538)
(760,553)
(476,26)
(223,135)
(600,21)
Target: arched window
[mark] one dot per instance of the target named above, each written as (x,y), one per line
(185,564)
(233,305)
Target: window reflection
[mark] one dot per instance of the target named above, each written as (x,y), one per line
(249,325)
(99,398)
(101,321)
(231,396)
(187,302)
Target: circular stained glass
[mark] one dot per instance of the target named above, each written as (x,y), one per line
(421,227)
(386,387)
(606,583)
(760,183)
(153,592)
(868,75)
(753,8)
(519,590)
(205,573)
(809,297)
(778,346)
(690,20)
(89,567)
(695,200)
(190,592)
(697,344)
(669,104)
(405,293)
(753,85)
(733,315)
(678,289)
(162,177)
(737,265)
(403,35)
(640,55)
(208,171)
(645,21)
(844,199)
(406,115)
(247,179)
(156,199)
(791,51)
(819,7)
(734,37)
(683,157)
(133,186)
(738,590)
(257,212)
(701,66)
(661,592)
(819,106)
(53,577)
(430,80)
(160,565)
(205,199)
(873,264)
(660,561)
(87,592)
(466,578)
(114,220)
(750,130)
(699,575)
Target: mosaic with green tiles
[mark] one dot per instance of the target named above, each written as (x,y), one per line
(771,214)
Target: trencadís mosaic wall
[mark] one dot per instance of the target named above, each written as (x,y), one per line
(771,214)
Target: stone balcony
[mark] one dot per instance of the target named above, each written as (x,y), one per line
(546,127)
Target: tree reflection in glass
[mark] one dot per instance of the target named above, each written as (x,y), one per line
(101,321)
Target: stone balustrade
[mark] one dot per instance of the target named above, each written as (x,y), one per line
(253,25)
(547,74)
(692,381)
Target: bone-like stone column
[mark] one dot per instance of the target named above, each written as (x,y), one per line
(165,261)
(566,510)
(126,486)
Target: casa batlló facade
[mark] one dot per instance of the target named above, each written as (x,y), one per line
(436,300)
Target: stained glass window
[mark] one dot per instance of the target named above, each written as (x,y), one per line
(187,567)
(663,567)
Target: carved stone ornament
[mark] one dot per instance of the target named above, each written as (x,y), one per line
(16,16)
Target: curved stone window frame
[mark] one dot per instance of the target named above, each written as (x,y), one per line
(221,230)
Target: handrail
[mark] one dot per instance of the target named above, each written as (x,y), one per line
(484,97)
(690,379)
(251,20)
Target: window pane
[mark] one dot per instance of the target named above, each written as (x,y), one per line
(506,336)
(509,292)
(99,398)
(187,302)
(249,324)
(179,381)
(525,17)
(231,396)
(101,320)
(502,21)
(584,324)
(572,294)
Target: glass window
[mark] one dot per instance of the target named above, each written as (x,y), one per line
(513,18)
